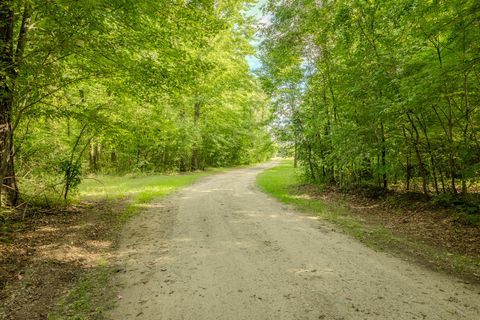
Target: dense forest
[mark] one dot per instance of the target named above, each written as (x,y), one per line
(114,87)
(379,93)
(384,93)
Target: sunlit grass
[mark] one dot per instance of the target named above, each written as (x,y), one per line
(144,188)
(282,183)
(137,189)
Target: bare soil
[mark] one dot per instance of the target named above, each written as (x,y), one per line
(220,249)
(43,256)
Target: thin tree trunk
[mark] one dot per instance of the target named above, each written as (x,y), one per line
(8,75)
(408,174)
(384,153)
(195,152)
(94,156)
(464,185)
(295,152)
(442,181)
(423,127)
(449,129)
(312,171)
(467,110)
(416,144)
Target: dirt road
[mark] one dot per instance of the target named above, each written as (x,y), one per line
(220,249)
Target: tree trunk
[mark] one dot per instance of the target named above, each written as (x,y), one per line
(423,126)
(452,173)
(416,145)
(384,153)
(183,164)
(442,181)
(295,153)
(408,174)
(94,157)
(310,164)
(464,185)
(195,152)
(449,128)
(9,188)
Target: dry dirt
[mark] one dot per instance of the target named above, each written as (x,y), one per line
(220,249)
(415,219)
(48,253)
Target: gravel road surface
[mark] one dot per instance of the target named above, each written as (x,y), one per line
(221,249)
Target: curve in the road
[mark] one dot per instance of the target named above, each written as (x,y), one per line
(220,249)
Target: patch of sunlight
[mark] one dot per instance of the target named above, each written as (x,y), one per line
(99,244)
(182,239)
(47,229)
(211,190)
(71,254)
(118,187)
(240,244)
(302,197)
(310,271)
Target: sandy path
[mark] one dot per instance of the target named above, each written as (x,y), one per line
(220,249)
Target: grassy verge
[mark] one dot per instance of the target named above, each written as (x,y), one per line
(138,190)
(282,183)
(91,296)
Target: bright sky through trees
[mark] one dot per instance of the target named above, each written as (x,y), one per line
(256,12)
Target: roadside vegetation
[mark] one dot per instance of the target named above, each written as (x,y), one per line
(379,95)
(137,190)
(61,269)
(108,87)
(377,102)
(419,231)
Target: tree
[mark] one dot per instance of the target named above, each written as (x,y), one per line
(126,86)
(386,89)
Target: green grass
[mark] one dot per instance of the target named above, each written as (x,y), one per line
(282,181)
(138,189)
(81,302)
(145,188)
